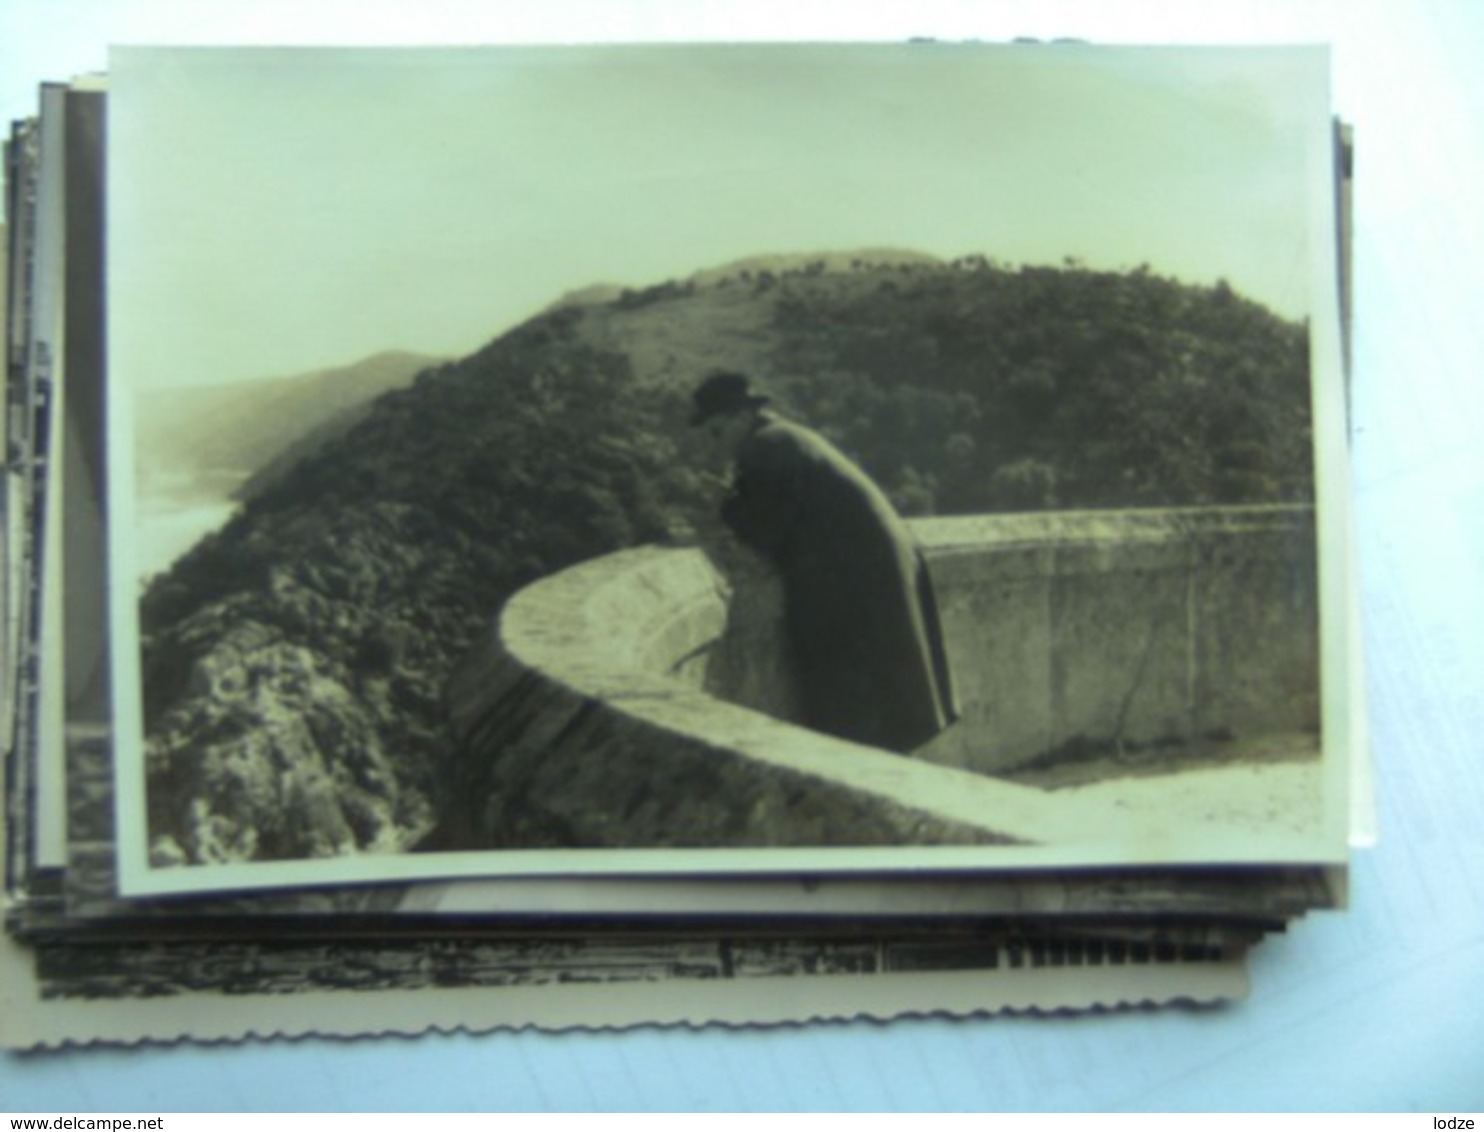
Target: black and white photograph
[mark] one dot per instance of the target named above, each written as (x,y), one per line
(708,459)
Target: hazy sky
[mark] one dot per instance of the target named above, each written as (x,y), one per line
(280,210)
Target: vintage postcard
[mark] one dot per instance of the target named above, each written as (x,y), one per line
(1247,899)
(57,997)
(597,462)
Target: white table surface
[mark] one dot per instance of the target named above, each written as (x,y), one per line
(1381,1007)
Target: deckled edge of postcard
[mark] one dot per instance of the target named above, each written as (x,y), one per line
(29,1022)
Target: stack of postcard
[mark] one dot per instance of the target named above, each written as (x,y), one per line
(710,533)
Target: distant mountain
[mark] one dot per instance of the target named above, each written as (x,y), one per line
(295,661)
(221,433)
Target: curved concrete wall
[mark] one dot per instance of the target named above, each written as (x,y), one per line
(583,723)
(593,715)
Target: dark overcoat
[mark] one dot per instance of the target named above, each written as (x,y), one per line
(859,605)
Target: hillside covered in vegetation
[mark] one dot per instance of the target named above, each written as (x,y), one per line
(294,661)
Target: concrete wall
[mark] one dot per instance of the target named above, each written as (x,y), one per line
(1098,629)
(582,721)
(594,713)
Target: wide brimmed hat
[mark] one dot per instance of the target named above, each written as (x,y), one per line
(723,393)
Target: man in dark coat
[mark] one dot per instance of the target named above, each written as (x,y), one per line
(858,601)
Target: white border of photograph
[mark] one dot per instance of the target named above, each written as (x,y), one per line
(168,108)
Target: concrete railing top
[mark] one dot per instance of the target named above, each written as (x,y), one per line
(1043,528)
(639,611)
